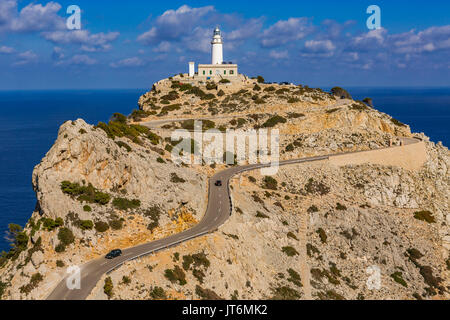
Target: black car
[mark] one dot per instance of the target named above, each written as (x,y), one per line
(114,254)
(218,183)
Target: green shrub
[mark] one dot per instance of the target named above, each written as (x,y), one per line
(289,251)
(122,144)
(176,179)
(108,287)
(270,183)
(206,294)
(273,121)
(116,224)
(221,93)
(60,264)
(256,88)
(125,204)
(225,81)
(176,275)
(126,280)
(340,207)
(285,293)
(293,100)
(322,235)
(87,208)
(292,236)
(187,261)
(294,277)
(313,209)
(261,215)
(313,187)
(398,277)
(158,293)
(339,92)
(260,79)
(60,248)
(2,289)
(86,225)
(101,226)
(290,148)
(426,216)
(50,224)
(85,193)
(66,236)
(34,281)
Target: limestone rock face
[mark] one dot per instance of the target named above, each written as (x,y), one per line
(94,158)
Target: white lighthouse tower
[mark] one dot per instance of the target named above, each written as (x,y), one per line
(217,47)
(218,69)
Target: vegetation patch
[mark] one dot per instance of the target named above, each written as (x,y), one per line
(398,277)
(426,216)
(270,183)
(158,293)
(176,179)
(125,204)
(176,275)
(273,121)
(314,187)
(206,294)
(289,251)
(285,293)
(85,193)
(108,287)
(34,281)
(294,277)
(322,235)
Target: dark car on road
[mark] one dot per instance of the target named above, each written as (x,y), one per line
(114,254)
(218,183)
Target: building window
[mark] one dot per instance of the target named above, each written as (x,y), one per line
(231,72)
(204,72)
(224,71)
(210,72)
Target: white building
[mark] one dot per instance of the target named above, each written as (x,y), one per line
(218,69)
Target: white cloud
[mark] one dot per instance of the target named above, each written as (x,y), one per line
(26,58)
(173,24)
(279,54)
(6,50)
(128,62)
(285,31)
(32,18)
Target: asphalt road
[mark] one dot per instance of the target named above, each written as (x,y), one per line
(217,213)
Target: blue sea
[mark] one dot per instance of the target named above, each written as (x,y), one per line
(30,121)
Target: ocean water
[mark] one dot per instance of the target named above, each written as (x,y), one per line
(30,121)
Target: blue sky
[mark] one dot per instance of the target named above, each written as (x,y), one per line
(131,44)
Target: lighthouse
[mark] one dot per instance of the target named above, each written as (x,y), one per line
(217,47)
(218,69)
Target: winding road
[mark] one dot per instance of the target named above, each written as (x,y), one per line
(218,211)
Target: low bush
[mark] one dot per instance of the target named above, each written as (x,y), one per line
(322,235)
(116,224)
(270,183)
(273,121)
(158,293)
(176,275)
(108,287)
(85,193)
(426,216)
(206,294)
(66,236)
(86,225)
(289,251)
(125,204)
(101,226)
(285,293)
(398,277)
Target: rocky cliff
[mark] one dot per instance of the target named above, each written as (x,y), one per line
(312,231)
